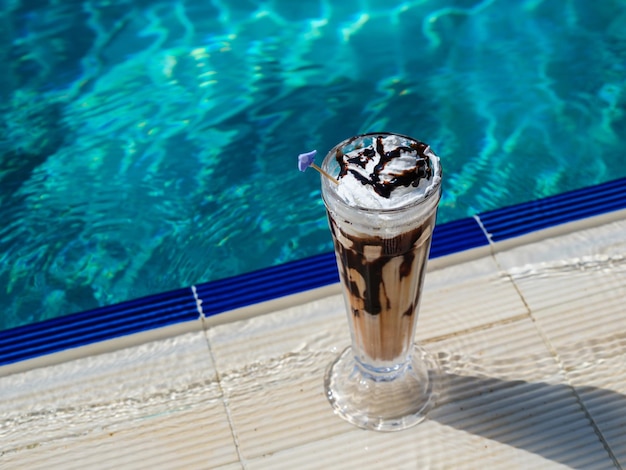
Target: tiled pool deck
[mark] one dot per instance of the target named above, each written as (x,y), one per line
(530,332)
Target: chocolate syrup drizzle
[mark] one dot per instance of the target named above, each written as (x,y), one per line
(374,297)
(409,177)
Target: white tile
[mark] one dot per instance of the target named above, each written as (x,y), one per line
(271,369)
(466,296)
(230,466)
(429,445)
(508,351)
(195,437)
(313,326)
(566,285)
(551,283)
(592,244)
(153,404)
(601,385)
(568,229)
(505,385)
(569,267)
(589,336)
(575,286)
(271,411)
(594,317)
(505,405)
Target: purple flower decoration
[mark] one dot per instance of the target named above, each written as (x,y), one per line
(305,160)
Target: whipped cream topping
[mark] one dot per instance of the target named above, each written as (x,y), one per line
(386,171)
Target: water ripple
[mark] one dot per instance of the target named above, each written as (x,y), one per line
(156,150)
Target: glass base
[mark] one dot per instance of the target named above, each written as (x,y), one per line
(379,401)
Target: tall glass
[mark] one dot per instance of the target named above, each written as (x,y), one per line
(383,381)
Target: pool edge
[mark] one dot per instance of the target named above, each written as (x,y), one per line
(188,309)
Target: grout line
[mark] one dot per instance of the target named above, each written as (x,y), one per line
(490,243)
(557,358)
(198,301)
(233,433)
(481,327)
(231,424)
(485,232)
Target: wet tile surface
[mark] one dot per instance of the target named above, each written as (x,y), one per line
(471,295)
(158,405)
(271,371)
(576,286)
(531,343)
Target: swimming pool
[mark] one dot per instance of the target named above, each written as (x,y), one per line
(147,146)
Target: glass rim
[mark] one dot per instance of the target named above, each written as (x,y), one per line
(328,186)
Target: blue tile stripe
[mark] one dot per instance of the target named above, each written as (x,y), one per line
(267,284)
(220,296)
(510,222)
(80,329)
(459,235)
(317,271)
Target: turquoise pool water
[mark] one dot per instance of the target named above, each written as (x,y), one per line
(150,145)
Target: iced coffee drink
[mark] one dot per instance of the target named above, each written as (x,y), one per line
(381,212)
